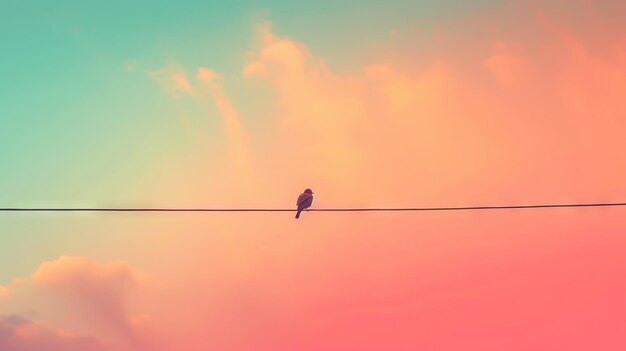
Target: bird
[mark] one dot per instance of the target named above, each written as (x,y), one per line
(305,200)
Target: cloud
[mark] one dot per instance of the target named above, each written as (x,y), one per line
(508,68)
(100,292)
(235,131)
(19,334)
(277,56)
(93,299)
(172,78)
(453,116)
(175,81)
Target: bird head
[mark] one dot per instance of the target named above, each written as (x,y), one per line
(308,191)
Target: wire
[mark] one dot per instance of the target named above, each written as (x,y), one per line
(390,209)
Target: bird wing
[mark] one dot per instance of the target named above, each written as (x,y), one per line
(300,199)
(304,200)
(307,202)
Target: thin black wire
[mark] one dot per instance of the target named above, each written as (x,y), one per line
(382,209)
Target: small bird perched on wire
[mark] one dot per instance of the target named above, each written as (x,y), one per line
(305,200)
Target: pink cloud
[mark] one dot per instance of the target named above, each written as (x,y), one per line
(100,292)
(81,295)
(18,334)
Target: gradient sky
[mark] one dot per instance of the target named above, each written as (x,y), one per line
(246,103)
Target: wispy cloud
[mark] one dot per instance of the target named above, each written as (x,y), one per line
(235,131)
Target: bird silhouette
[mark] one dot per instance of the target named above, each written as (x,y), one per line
(305,200)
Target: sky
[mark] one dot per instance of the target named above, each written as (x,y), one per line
(370,104)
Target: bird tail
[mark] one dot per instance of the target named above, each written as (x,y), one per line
(298,213)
